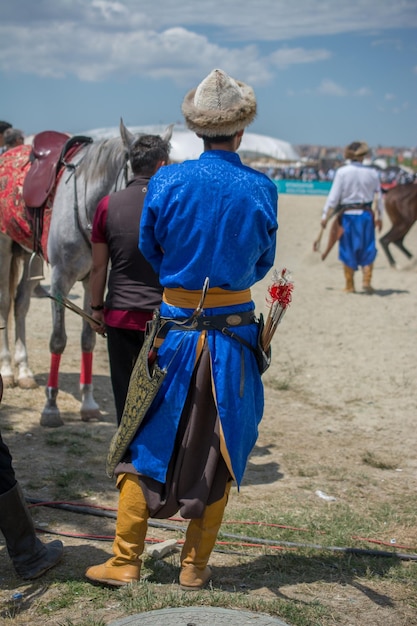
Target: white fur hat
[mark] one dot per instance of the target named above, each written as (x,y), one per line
(220,105)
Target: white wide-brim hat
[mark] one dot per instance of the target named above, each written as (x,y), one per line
(219,106)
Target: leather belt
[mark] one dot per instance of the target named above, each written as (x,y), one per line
(209,322)
(356,205)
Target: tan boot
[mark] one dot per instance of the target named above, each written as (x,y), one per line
(367,277)
(131,526)
(199,542)
(349,272)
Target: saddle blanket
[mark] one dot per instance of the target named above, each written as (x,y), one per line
(15,220)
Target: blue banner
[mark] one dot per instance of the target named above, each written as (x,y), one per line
(303,187)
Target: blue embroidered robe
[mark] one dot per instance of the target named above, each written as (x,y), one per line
(210,217)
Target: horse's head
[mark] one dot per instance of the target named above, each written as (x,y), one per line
(132,143)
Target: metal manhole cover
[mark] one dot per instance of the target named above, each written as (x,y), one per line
(199,616)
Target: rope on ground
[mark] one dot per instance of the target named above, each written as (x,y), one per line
(241,540)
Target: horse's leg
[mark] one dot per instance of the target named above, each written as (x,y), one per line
(395,236)
(51,416)
(385,241)
(5,302)
(89,407)
(26,379)
(400,245)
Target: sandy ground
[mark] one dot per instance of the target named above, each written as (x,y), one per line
(353,351)
(342,384)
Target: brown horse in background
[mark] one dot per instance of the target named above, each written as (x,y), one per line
(401,208)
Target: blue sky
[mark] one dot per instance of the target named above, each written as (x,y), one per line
(324,71)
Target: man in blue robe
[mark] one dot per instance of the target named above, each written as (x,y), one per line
(354,189)
(211,218)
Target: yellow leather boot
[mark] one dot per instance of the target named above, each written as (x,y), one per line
(367,277)
(199,542)
(131,527)
(349,272)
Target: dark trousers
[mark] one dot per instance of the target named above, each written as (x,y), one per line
(123,346)
(7,477)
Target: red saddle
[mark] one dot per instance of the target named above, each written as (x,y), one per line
(48,151)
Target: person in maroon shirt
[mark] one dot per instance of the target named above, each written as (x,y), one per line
(133,289)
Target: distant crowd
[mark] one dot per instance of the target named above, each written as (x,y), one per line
(389,177)
(300,173)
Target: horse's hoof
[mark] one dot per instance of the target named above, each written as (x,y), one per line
(88,415)
(51,420)
(8,382)
(27,383)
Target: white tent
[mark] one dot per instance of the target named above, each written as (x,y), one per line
(186,145)
(263,146)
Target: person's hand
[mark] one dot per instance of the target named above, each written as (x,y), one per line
(323,222)
(378,224)
(99,326)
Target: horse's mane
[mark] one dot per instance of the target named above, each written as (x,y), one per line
(101,158)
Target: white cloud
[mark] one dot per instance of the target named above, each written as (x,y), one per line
(285,57)
(389,96)
(328,87)
(158,55)
(264,20)
(401,107)
(363,92)
(97,39)
(390,43)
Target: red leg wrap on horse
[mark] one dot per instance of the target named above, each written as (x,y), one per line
(86,375)
(54,371)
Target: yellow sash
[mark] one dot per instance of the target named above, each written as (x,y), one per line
(216,297)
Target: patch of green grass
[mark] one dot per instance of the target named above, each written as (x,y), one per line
(7,427)
(70,442)
(324,524)
(278,385)
(69,592)
(307,472)
(55,439)
(69,484)
(370,458)
(35,484)
(150,597)
(77,448)
(89,621)
(65,478)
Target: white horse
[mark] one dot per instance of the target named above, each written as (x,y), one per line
(95,170)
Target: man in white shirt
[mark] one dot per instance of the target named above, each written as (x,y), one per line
(355,188)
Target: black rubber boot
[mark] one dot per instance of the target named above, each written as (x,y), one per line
(30,557)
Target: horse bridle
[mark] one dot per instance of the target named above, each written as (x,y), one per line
(73,171)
